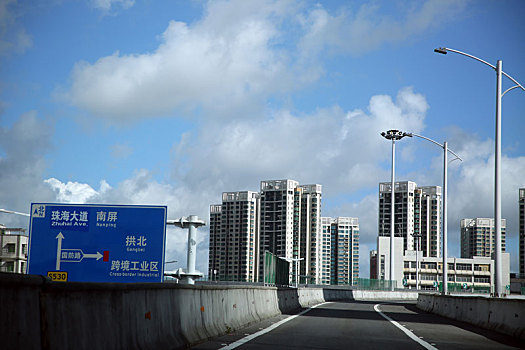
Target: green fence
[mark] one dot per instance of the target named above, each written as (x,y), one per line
(460,288)
(372,284)
(276,270)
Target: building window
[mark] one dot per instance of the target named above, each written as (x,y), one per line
(481,268)
(463,267)
(9,266)
(462,279)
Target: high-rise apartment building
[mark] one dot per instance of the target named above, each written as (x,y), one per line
(478,237)
(427,220)
(307,230)
(233,252)
(522,230)
(417,213)
(284,218)
(404,211)
(216,251)
(290,224)
(340,250)
(277,219)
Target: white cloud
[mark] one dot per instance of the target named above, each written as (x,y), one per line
(238,55)
(217,62)
(13,36)
(472,186)
(367,28)
(328,147)
(73,192)
(22,166)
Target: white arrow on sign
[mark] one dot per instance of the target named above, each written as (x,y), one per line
(93,256)
(60,237)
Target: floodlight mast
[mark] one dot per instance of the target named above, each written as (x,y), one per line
(392,135)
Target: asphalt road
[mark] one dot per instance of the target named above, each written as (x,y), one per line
(359,325)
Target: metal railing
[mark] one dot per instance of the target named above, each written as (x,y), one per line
(374,284)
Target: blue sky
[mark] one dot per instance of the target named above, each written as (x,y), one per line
(174,102)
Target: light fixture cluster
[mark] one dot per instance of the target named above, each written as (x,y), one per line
(394,134)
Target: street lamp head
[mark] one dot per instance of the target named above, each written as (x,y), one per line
(394,135)
(441,50)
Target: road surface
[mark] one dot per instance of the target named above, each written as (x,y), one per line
(362,325)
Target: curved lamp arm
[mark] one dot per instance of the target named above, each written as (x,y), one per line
(511,88)
(409,134)
(444,50)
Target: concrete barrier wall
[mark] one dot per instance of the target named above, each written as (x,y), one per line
(310,296)
(502,315)
(39,314)
(20,309)
(384,295)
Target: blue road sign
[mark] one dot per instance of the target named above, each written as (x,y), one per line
(97,243)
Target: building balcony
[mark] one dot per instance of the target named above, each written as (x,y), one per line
(5,254)
(479,284)
(425,283)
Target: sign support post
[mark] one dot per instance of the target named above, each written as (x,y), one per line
(191,223)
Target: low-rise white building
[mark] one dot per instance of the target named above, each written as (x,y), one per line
(13,249)
(471,274)
(476,273)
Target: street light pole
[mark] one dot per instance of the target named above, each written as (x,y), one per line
(497,187)
(445,148)
(445,221)
(392,135)
(497,160)
(392,215)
